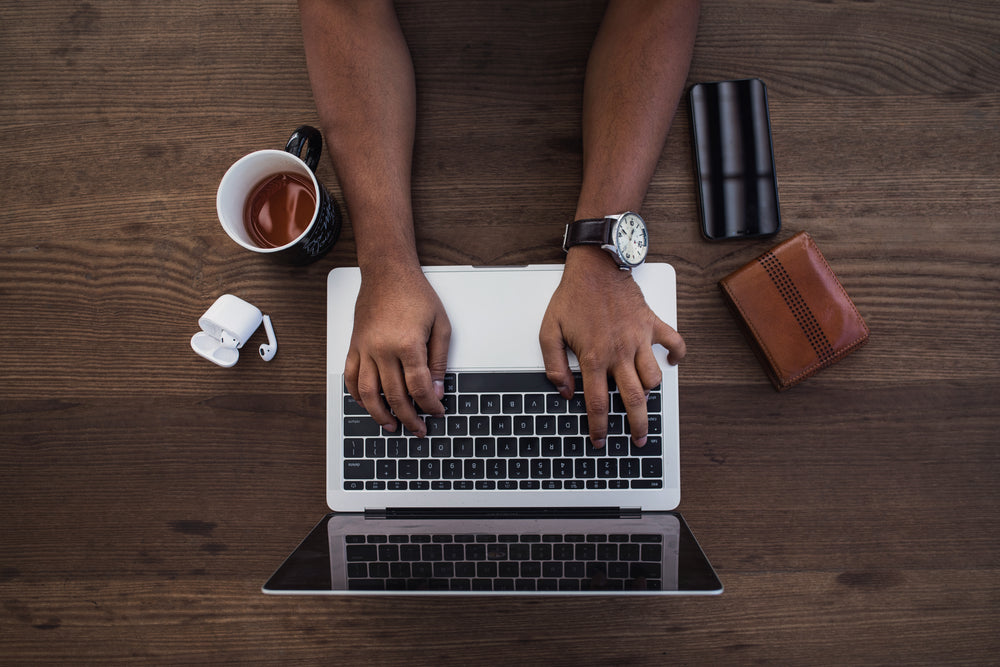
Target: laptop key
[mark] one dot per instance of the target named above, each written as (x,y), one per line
(385,469)
(359,469)
(375,448)
(490,404)
(529,447)
(361,426)
(555,404)
(652,467)
(496,469)
(468,404)
(440,448)
(545,425)
(573,447)
(354,448)
(618,445)
(430,469)
(511,404)
(541,469)
(352,407)
(451,469)
(653,447)
(534,404)
(396,448)
(506,447)
(501,425)
(485,447)
(420,448)
(479,425)
(629,468)
(551,446)
(524,425)
(458,426)
(463,447)
(409,469)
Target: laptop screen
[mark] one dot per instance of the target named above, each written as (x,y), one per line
(541,552)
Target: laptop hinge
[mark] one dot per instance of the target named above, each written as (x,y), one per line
(503,513)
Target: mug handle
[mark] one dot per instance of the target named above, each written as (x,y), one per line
(306,134)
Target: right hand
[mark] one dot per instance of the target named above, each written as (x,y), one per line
(399,349)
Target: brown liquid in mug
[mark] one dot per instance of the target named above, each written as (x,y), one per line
(279,209)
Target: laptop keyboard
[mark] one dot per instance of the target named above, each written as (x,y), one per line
(505,432)
(572,562)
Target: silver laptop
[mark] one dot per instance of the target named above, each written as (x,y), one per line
(505,494)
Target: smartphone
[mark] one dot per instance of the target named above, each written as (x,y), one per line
(734,160)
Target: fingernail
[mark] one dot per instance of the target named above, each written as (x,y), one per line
(390,427)
(598,444)
(640,442)
(439,389)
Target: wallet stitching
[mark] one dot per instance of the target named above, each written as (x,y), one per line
(849,347)
(801,311)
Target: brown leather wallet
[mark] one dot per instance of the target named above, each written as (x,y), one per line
(794,312)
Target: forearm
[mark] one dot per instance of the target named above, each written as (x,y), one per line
(363,85)
(635,78)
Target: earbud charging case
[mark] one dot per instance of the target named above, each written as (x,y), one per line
(228,315)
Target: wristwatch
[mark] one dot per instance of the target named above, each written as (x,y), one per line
(622,235)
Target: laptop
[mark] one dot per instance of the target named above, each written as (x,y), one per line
(505,495)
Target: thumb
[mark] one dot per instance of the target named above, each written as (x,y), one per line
(667,336)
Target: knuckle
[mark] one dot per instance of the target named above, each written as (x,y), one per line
(633,398)
(597,407)
(367,390)
(555,375)
(591,361)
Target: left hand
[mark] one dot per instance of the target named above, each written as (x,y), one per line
(599,312)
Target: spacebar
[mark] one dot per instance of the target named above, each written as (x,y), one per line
(482,383)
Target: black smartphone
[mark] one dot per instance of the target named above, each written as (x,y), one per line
(734,160)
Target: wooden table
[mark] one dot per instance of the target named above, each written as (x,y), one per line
(147,494)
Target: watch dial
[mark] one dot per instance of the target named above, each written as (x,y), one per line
(631,239)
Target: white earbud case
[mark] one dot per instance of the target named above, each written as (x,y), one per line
(225,327)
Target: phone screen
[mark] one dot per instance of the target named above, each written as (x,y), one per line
(734,160)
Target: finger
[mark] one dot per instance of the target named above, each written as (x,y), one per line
(369,395)
(352,367)
(595,394)
(437,359)
(556,361)
(633,396)
(424,368)
(667,336)
(648,368)
(394,388)
(422,388)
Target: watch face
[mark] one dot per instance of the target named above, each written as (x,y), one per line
(631,239)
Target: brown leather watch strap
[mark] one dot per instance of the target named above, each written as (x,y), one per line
(593,231)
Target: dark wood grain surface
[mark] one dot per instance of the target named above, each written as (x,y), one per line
(145,495)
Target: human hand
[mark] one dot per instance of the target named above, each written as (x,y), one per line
(399,348)
(599,312)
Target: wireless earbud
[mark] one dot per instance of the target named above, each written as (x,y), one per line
(270,348)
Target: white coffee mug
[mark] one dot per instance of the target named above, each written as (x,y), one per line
(246,174)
